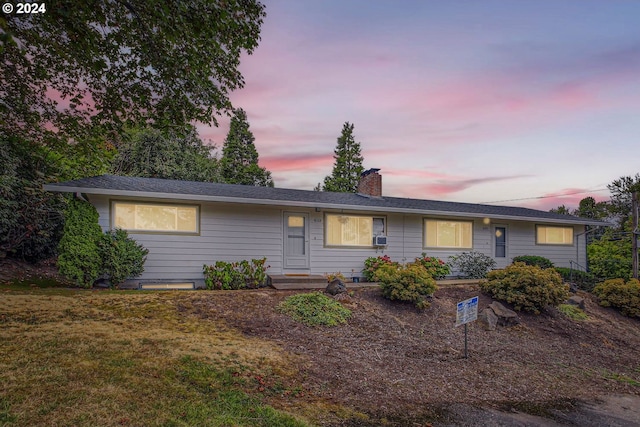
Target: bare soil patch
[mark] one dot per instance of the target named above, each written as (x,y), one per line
(398,365)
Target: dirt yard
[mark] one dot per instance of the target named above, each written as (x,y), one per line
(402,366)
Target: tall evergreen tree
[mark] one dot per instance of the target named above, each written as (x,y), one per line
(239,163)
(348,163)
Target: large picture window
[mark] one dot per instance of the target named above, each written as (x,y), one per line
(554,235)
(448,234)
(155,217)
(352,230)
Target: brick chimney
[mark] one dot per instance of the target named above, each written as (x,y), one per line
(370,183)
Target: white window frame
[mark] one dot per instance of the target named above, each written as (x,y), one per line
(445,247)
(568,231)
(141,230)
(373,231)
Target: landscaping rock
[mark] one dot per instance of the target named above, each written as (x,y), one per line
(488,319)
(577,301)
(505,316)
(336,287)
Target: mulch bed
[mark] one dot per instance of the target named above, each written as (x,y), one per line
(392,358)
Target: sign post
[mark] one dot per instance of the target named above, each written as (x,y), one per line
(467,311)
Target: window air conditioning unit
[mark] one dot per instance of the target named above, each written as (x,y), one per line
(380,241)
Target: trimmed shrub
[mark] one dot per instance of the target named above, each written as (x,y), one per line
(410,283)
(236,275)
(79,257)
(314,309)
(372,264)
(472,265)
(536,260)
(526,287)
(436,267)
(572,312)
(122,257)
(620,294)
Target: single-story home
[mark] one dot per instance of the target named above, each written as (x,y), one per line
(185,225)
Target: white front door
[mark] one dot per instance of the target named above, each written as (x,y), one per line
(296,241)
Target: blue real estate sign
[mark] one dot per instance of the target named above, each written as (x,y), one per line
(467,311)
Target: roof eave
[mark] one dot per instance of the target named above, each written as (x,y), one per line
(320,205)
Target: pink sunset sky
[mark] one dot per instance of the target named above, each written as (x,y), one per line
(529,103)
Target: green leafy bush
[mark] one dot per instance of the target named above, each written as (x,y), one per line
(122,257)
(572,312)
(472,265)
(536,260)
(236,275)
(620,294)
(372,264)
(527,287)
(610,259)
(80,259)
(314,309)
(436,267)
(410,283)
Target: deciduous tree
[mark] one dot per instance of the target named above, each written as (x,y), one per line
(83,68)
(150,153)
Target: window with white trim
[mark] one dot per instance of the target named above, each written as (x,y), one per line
(352,230)
(447,234)
(554,235)
(155,217)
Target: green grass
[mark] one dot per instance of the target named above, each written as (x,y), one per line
(86,358)
(572,312)
(315,309)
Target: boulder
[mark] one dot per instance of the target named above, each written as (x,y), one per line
(488,319)
(336,287)
(505,316)
(577,301)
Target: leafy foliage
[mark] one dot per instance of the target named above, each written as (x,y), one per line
(472,265)
(436,267)
(621,193)
(150,153)
(348,163)
(536,260)
(527,287)
(97,67)
(610,257)
(572,312)
(620,294)
(121,256)
(236,275)
(239,163)
(315,309)
(410,283)
(31,220)
(79,258)
(372,264)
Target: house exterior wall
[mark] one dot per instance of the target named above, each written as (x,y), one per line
(233,232)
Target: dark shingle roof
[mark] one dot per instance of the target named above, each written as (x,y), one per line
(206,191)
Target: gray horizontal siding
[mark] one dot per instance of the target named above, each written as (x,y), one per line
(233,232)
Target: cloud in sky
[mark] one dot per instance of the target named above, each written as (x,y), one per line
(454,101)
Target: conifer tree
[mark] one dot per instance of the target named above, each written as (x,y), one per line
(348,164)
(239,163)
